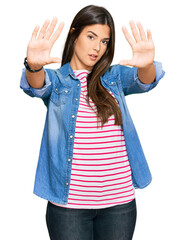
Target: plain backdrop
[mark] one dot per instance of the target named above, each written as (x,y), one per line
(158,115)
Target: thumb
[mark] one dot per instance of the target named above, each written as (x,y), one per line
(55,60)
(126,63)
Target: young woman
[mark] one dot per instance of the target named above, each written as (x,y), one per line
(91,158)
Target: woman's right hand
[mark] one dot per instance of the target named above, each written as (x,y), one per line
(39,47)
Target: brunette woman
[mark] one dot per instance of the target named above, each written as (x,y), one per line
(91,158)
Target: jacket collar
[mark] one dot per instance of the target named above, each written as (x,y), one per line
(67,70)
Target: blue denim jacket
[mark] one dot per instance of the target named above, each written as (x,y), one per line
(61,94)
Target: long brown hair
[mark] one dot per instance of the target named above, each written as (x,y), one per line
(105,103)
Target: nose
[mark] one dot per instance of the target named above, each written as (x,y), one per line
(97,46)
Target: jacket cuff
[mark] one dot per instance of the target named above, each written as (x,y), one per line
(37,92)
(159,74)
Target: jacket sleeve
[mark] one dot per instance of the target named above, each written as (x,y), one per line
(43,92)
(131,83)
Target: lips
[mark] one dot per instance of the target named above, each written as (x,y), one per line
(93,57)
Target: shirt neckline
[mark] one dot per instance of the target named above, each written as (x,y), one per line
(81,70)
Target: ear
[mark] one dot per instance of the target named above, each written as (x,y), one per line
(72,30)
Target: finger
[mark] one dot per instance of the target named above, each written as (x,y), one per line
(134,31)
(57,32)
(141,31)
(43,29)
(128,36)
(149,35)
(51,28)
(35,32)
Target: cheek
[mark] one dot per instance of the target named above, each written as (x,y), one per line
(82,48)
(79,46)
(104,48)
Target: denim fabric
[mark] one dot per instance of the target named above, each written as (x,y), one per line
(61,95)
(114,223)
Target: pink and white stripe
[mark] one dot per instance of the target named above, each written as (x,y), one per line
(101,173)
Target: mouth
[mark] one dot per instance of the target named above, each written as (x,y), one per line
(93,57)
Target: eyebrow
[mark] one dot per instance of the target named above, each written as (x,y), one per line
(97,35)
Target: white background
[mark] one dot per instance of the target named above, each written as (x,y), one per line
(159,115)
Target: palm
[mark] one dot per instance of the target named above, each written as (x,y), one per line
(39,48)
(142,47)
(39,51)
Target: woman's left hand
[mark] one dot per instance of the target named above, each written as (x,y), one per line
(142,46)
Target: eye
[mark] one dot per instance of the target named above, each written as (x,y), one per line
(105,42)
(90,37)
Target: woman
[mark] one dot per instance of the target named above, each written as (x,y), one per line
(90,157)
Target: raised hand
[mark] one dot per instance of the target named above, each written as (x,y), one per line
(40,45)
(142,46)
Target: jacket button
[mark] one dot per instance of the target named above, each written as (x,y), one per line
(73,116)
(76,99)
(78,85)
(67,183)
(66,91)
(69,159)
(112,83)
(71,136)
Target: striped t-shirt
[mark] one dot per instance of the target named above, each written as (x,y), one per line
(101,173)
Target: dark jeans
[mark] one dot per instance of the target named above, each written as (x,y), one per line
(113,223)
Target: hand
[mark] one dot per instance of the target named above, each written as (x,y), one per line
(143,47)
(39,47)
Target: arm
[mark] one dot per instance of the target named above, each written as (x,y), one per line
(35,80)
(132,84)
(43,92)
(147,74)
(38,52)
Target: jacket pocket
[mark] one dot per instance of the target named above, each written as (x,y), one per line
(60,95)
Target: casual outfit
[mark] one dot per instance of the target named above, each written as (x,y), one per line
(83,170)
(100,174)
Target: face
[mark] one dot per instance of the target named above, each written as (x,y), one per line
(90,46)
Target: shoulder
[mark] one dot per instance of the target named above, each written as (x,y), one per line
(52,75)
(117,69)
(123,74)
(112,70)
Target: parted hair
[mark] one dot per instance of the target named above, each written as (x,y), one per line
(105,103)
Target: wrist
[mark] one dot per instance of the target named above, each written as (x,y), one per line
(147,67)
(32,67)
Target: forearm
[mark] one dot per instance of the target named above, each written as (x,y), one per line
(147,75)
(36,80)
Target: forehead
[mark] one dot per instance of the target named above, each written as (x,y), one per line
(102,31)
